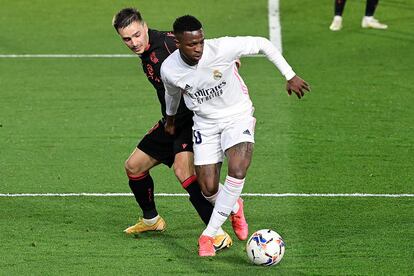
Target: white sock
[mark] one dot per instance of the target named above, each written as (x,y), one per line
(212,199)
(152,221)
(220,231)
(226,199)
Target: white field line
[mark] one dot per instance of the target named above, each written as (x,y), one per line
(180,195)
(275,36)
(275,33)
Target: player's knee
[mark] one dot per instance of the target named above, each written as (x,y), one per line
(209,192)
(239,173)
(209,188)
(238,170)
(132,168)
(182,172)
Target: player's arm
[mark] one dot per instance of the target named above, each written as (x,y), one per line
(170,46)
(294,83)
(249,45)
(172,101)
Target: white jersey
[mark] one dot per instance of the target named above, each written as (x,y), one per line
(213,89)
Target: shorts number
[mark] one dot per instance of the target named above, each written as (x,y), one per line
(197,137)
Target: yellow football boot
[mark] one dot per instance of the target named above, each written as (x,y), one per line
(141,227)
(222,241)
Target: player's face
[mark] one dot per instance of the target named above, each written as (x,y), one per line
(191,46)
(135,36)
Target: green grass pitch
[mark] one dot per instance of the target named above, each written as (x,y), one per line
(67,125)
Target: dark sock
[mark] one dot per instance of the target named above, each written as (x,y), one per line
(339,7)
(370,7)
(200,203)
(143,189)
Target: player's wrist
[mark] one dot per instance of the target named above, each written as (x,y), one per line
(290,75)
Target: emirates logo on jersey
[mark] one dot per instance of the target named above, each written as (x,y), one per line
(206,94)
(217,74)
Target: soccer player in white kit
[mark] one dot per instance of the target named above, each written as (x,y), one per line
(204,72)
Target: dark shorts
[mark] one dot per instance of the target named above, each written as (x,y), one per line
(162,146)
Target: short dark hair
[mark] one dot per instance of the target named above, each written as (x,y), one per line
(186,23)
(125,17)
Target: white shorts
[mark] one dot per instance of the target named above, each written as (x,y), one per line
(212,139)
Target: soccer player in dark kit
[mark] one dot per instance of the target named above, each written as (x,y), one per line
(158,147)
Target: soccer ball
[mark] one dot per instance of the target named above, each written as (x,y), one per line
(265,247)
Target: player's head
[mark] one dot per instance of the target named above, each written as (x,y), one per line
(190,38)
(132,28)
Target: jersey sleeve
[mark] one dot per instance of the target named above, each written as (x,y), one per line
(172,94)
(236,47)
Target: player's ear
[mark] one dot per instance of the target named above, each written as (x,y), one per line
(177,40)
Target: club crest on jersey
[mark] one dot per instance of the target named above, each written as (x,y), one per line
(217,74)
(153,58)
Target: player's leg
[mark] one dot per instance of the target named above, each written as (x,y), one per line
(184,170)
(137,167)
(239,158)
(370,7)
(208,177)
(238,141)
(208,157)
(368,21)
(339,6)
(148,154)
(213,197)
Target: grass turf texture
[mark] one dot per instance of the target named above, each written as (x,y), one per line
(323,236)
(66,125)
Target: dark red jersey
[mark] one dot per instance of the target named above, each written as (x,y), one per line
(161,45)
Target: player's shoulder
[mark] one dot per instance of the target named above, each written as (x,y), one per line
(162,39)
(156,35)
(161,34)
(170,64)
(172,60)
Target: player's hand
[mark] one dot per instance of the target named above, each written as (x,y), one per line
(169,126)
(298,86)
